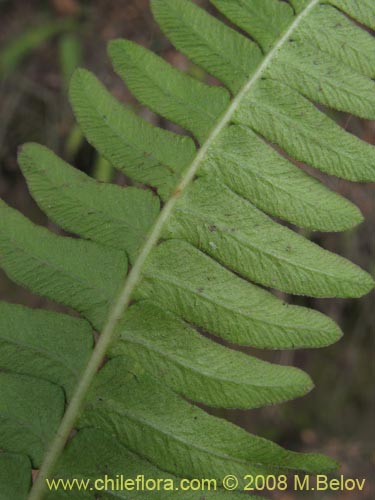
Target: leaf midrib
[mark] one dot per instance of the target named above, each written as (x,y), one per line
(286,327)
(103,213)
(124,298)
(215,377)
(62,270)
(267,180)
(123,138)
(176,98)
(198,448)
(309,71)
(244,240)
(214,50)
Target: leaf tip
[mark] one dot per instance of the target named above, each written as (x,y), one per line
(78,84)
(24,151)
(78,76)
(365,285)
(317,463)
(78,73)
(369,283)
(309,384)
(116,44)
(334,333)
(356,217)
(328,464)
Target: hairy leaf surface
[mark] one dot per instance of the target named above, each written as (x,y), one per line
(199,247)
(199,368)
(107,214)
(43,262)
(167,91)
(93,452)
(43,344)
(248,166)
(145,153)
(235,233)
(181,438)
(217,300)
(30,413)
(15,476)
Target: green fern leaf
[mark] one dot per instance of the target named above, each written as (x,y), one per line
(115,217)
(244,239)
(198,368)
(15,475)
(41,261)
(264,20)
(331,32)
(42,344)
(150,419)
(211,297)
(167,91)
(327,81)
(145,153)
(91,448)
(194,252)
(361,10)
(274,184)
(272,109)
(218,49)
(30,413)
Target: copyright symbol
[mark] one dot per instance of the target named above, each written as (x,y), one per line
(230,483)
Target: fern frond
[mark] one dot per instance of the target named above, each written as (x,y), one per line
(92,447)
(152,420)
(220,50)
(208,295)
(199,368)
(43,262)
(177,96)
(15,475)
(274,184)
(54,347)
(264,20)
(145,153)
(273,109)
(244,239)
(195,252)
(104,213)
(362,11)
(31,410)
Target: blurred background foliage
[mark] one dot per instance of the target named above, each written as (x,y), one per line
(42,42)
